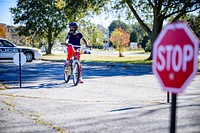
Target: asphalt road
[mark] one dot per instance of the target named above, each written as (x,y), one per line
(114,98)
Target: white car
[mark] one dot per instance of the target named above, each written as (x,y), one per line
(8,50)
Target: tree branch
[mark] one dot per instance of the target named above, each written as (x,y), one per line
(166,6)
(151,3)
(146,28)
(183,10)
(159,3)
(182,13)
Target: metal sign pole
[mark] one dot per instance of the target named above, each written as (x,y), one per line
(173,114)
(167,97)
(20,70)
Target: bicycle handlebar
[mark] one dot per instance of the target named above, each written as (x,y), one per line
(76,46)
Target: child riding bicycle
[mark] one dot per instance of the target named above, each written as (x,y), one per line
(74,37)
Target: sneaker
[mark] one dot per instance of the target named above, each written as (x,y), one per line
(67,62)
(80,80)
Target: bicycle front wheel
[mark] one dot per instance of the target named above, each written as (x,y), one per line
(67,73)
(76,72)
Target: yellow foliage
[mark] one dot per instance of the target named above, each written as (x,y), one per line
(120,38)
(60,4)
(2,31)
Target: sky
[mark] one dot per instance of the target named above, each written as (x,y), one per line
(6,16)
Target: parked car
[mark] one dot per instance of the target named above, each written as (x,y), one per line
(8,50)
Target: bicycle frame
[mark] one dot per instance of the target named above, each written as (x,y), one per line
(74,66)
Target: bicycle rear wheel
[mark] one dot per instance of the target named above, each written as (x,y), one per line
(67,73)
(76,72)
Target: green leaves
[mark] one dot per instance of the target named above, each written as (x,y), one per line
(60,4)
(117,24)
(47,18)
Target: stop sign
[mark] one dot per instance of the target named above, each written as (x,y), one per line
(175,56)
(16,59)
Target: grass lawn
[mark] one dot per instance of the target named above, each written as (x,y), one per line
(103,58)
(129,59)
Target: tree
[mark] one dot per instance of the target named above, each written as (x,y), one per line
(134,36)
(97,38)
(120,38)
(118,24)
(142,35)
(156,11)
(194,22)
(47,18)
(92,33)
(144,41)
(2,31)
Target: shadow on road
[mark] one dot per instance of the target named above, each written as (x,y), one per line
(52,72)
(114,69)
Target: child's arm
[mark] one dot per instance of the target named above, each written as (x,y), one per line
(67,39)
(85,41)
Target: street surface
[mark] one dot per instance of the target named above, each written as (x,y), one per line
(114,98)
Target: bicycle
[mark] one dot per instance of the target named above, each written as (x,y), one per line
(74,66)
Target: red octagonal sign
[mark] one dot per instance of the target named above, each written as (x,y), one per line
(175,56)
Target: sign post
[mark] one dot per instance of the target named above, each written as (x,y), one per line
(19,59)
(20,68)
(167,97)
(175,56)
(173,114)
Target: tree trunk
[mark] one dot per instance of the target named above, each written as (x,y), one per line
(120,51)
(120,54)
(50,43)
(48,51)
(157,27)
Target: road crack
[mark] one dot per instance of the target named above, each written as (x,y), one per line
(35,116)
